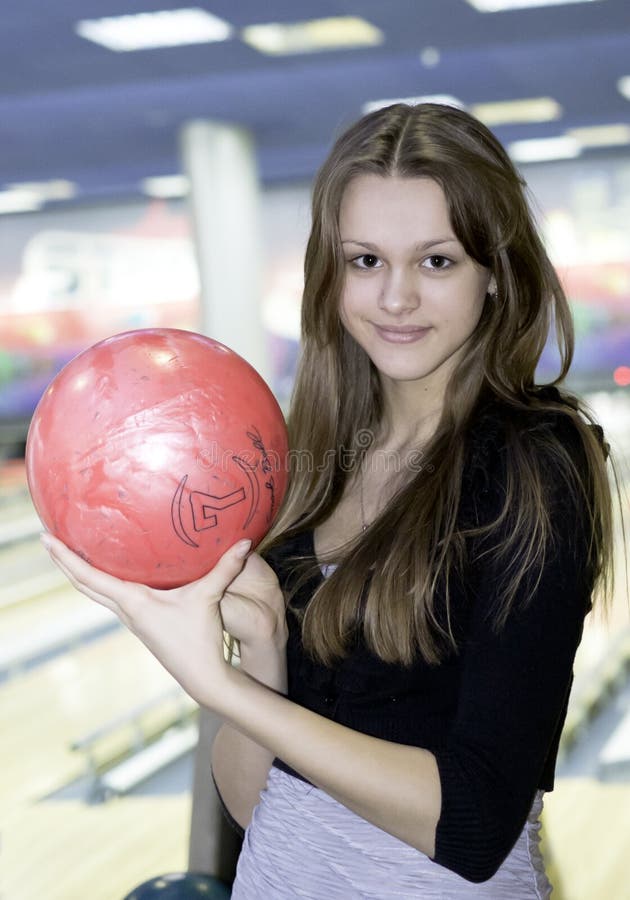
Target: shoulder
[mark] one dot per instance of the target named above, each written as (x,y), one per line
(548,422)
(531,493)
(529,456)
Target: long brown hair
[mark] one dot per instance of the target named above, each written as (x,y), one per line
(337,400)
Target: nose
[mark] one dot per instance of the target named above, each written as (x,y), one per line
(399,292)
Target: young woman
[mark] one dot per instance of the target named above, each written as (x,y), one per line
(408,628)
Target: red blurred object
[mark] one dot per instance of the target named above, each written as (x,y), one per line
(154,451)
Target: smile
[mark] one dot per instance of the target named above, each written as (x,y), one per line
(401,336)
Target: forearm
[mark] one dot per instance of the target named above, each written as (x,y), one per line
(240,766)
(393,786)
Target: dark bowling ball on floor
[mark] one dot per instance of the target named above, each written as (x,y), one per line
(181,886)
(153,452)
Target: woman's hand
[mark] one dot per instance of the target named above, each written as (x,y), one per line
(253,612)
(182,627)
(253,608)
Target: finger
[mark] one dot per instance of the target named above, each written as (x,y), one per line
(103,600)
(93,582)
(225,571)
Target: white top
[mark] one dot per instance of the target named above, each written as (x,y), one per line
(302,843)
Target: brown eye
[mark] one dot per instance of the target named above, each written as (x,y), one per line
(366,261)
(437,262)
(369,260)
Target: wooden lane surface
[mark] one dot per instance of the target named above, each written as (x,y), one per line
(70,851)
(42,711)
(35,615)
(586,827)
(66,849)
(22,564)
(586,822)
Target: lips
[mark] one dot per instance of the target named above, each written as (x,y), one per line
(400,334)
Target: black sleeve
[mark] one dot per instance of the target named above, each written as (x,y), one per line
(512,701)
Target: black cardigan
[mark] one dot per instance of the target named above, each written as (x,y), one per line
(492,713)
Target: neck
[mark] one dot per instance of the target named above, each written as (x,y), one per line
(410,415)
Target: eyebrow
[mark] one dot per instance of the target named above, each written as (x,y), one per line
(434,242)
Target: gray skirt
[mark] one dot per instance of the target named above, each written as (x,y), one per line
(303,843)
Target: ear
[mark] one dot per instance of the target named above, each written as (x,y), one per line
(492,287)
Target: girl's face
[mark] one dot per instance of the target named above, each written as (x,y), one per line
(412,296)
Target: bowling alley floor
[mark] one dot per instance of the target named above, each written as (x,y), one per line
(55,844)
(586,819)
(65,848)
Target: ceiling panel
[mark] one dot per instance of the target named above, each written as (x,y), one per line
(71,109)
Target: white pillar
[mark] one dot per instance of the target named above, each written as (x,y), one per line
(219,159)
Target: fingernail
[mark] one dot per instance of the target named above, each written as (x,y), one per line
(242,548)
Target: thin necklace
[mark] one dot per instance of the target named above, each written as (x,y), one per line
(363,522)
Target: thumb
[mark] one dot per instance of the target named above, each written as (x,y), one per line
(229,565)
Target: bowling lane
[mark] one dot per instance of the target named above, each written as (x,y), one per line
(587,824)
(24,566)
(70,851)
(35,613)
(43,711)
(40,613)
(65,849)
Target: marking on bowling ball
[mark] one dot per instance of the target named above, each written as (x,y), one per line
(200,504)
(202,519)
(176,514)
(265,464)
(250,471)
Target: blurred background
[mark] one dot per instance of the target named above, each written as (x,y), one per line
(130,133)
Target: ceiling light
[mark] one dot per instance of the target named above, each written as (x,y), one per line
(312,36)
(601,135)
(32,195)
(55,189)
(444,99)
(166,187)
(623,86)
(17,200)
(430,57)
(490,6)
(506,112)
(543,149)
(168,28)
